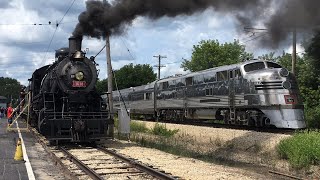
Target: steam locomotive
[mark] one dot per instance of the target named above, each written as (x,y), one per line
(252,93)
(64,102)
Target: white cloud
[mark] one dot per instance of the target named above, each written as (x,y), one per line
(26,46)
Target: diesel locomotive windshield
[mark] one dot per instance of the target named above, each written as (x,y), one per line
(260,65)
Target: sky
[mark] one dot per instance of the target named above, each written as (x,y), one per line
(26,47)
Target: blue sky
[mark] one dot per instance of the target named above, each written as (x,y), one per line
(26,47)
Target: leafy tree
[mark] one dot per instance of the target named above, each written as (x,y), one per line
(102,86)
(312,50)
(269,56)
(10,88)
(211,53)
(129,76)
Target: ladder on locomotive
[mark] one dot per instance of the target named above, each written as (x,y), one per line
(49,102)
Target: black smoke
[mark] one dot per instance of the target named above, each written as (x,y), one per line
(113,18)
(102,17)
(302,15)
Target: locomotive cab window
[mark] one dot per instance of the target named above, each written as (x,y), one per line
(254,66)
(272,65)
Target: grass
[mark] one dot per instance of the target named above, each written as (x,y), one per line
(302,149)
(138,127)
(161,130)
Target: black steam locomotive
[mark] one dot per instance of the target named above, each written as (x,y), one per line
(64,102)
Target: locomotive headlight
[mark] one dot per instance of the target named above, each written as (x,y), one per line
(284,72)
(286,84)
(79,76)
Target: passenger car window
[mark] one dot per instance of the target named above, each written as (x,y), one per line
(222,76)
(254,66)
(198,79)
(189,81)
(210,77)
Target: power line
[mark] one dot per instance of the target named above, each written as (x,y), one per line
(31,24)
(57,25)
(256,37)
(67,11)
(100,51)
(127,48)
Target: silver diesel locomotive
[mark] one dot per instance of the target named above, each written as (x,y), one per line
(254,93)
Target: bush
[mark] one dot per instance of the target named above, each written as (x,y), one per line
(161,130)
(302,149)
(313,117)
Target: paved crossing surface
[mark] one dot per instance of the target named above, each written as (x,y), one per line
(9,168)
(40,166)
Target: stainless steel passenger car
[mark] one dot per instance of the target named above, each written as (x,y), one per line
(254,93)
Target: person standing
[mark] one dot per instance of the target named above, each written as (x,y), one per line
(22,97)
(9,114)
(1,112)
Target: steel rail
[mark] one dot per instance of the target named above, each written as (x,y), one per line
(139,166)
(285,175)
(81,165)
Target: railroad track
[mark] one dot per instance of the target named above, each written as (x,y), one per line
(101,163)
(227,126)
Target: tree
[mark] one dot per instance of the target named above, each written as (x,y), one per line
(102,86)
(312,50)
(129,76)
(211,53)
(10,88)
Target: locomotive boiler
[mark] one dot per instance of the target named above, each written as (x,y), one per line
(253,93)
(64,102)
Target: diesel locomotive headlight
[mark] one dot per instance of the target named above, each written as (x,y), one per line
(286,84)
(79,76)
(284,72)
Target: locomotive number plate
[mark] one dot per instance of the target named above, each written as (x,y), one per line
(79,84)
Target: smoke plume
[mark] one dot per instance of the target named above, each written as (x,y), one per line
(101,18)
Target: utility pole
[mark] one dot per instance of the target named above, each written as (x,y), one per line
(159,66)
(110,77)
(294,50)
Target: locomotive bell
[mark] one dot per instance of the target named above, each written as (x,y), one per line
(78,55)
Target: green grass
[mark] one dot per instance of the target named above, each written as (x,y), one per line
(302,149)
(138,127)
(161,130)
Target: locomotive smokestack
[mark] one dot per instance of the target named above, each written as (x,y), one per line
(74,44)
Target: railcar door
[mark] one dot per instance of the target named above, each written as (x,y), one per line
(232,107)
